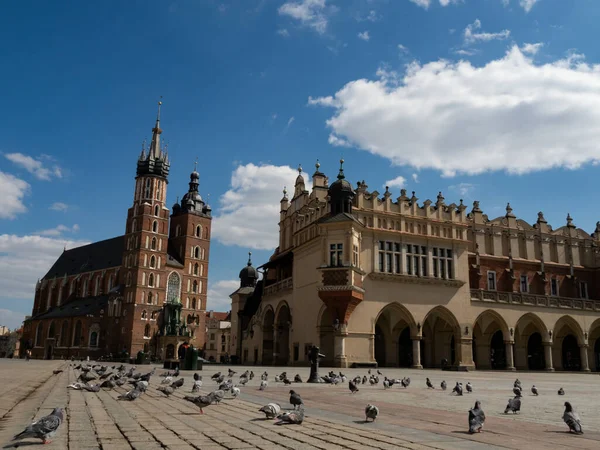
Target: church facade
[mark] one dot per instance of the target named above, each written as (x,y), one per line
(141,291)
(377,281)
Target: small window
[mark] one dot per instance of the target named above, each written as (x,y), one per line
(155,226)
(153,315)
(153,245)
(196,269)
(583,289)
(554,287)
(147,330)
(336,257)
(197,252)
(193,303)
(151,280)
(355,261)
(198,231)
(524,284)
(178,231)
(144,314)
(152,261)
(150,297)
(491,281)
(156,210)
(195,286)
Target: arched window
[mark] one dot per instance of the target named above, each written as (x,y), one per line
(51,331)
(152,261)
(198,231)
(178,230)
(147,330)
(151,280)
(156,210)
(77,337)
(84,288)
(153,245)
(64,334)
(153,315)
(111,281)
(173,288)
(197,252)
(193,303)
(39,337)
(149,298)
(133,226)
(196,269)
(94,339)
(195,286)
(97,286)
(148,190)
(129,279)
(155,226)
(144,314)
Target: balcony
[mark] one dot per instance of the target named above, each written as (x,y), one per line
(283,285)
(543,301)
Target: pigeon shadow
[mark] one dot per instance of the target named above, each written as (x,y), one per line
(361,421)
(260,419)
(22,444)
(462,432)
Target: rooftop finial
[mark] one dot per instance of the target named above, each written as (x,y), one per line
(284,190)
(317,165)
(195,164)
(158,113)
(249,258)
(144,144)
(299,169)
(341,174)
(569,220)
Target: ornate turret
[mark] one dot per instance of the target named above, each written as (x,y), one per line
(248,275)
(299,186)
(341,193)
(192,201)
(155,162)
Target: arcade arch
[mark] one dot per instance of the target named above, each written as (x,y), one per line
(394,329)
(489,349)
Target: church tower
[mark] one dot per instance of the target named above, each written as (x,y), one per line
(145,249)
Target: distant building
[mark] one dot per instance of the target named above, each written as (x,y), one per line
(218,334)
(374,280)
(4,330)
(142,291)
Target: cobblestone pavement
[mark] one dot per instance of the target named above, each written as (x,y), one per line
(413,418)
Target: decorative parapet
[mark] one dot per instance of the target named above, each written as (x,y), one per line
(412,279)
(544,301)
(283,285)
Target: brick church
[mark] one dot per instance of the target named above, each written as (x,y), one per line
(144,290)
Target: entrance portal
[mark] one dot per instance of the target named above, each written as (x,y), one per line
(498,351)
(535,352)
(379,346)
(405,349)
(570,353)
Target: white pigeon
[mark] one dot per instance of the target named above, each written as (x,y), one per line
(263,385)
(235,391)
(167,380)
(271,410)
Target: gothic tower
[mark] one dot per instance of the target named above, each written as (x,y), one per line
(145,254)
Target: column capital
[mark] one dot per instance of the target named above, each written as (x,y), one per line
(547,344)
(416,338)
(584,345)
(509,342)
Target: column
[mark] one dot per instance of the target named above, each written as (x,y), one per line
(585,366)
(372,347)
(416,343)
(466,353)
(510,359)
(275,343)
(548,356)
(339,349)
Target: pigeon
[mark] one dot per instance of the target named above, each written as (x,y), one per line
(178,383)
(271,410)
(561,391)
(93,388)
(572,419)
(251,374)
(217,395)
(216,376)
(108,384)
(297,378)
(43,428)
(443,385)
(57,371)
(429,385)
(196,386)
(371,412)
(534,390)
(517,391)
(235,391)
(352,387)
(197,377)
(167,380)
(263,385)
(476,418)
(130,395)
(469,387)
(295,399)
(514,405)
(202,401)
(167,390)
(458,388)
(364,380)
(291,417)
(517,383)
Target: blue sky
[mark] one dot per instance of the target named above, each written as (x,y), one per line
(489,100)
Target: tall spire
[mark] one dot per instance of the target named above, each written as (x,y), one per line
(155,151)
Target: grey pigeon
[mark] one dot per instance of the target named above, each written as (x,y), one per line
(561,391)
(263,385)
(429,384)
(271,410)
(298,379)
(514,405)
(353,388)
(443,385)
(534,390)
(217,396)
(196,386)
(167,390)
(476,418)
(131,395)
(57,371)
(469,387)
(291,417)
(517,391)
(572,419)
(202,401)
(44,428)
(371,412)
(295,399)
(458,389)
(178,383)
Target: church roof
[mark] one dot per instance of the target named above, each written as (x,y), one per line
(77,308)
(97,256)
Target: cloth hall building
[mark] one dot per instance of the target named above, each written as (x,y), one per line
(396,282)
(141,291)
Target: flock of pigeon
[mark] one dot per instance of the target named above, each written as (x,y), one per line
(107,378)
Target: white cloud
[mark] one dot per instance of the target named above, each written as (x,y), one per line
(505,2)
(532,49)
(463,52)
(218,295)
(58,230)
(415,177)
(464,189)
(11,319)
(403,48)
(25,259)
(249,210)
(364,35)
(337,142)
(509,114)
(472,36)
(35,166)
(283,32)
(527,4)
(13,192)
(448,2)
(59,206)
(422,3)
(290,122)
(371,17)
(310,13)
(396,182)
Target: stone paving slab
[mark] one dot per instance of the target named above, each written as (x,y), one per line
(413,418)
